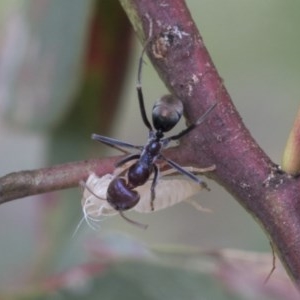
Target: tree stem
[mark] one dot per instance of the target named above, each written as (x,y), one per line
(178,53)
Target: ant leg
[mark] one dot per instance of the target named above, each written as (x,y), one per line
(143,226)
(140,92)
(114,143)
(190,169)
(153,185)
(127,159)
(115,147)
(192,126)
(185,172)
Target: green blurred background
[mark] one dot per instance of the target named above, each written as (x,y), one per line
(255,46)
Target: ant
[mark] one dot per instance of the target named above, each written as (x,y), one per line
(166,113)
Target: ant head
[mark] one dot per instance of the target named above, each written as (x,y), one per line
(166,113)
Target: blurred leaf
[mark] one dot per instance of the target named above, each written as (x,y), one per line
(140,280)
(98,94)
(93,107)
(122,267)
(40,58)
(135,280)
(291,158)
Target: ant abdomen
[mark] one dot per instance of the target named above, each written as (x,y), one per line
(166,113)
(119,196)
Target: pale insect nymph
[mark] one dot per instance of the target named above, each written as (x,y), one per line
(170,190)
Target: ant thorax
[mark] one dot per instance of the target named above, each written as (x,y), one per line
(153,147)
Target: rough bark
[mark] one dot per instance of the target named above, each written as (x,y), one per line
(178,53)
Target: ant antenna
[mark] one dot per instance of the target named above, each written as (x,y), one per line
(141,61)
(273,264)
(140,225)
(140,92)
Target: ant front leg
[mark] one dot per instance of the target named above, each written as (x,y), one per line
(191,127)
(114,143)
(153,185)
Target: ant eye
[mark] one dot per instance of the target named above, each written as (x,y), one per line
(166,113)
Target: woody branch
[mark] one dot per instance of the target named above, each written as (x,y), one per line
(178,53)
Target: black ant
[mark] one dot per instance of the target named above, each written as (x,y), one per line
(166,113)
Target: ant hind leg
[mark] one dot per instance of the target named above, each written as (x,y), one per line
(153,185)
(143,226)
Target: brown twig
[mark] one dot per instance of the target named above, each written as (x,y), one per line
(26,183)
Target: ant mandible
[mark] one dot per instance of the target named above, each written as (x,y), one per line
(166,113)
